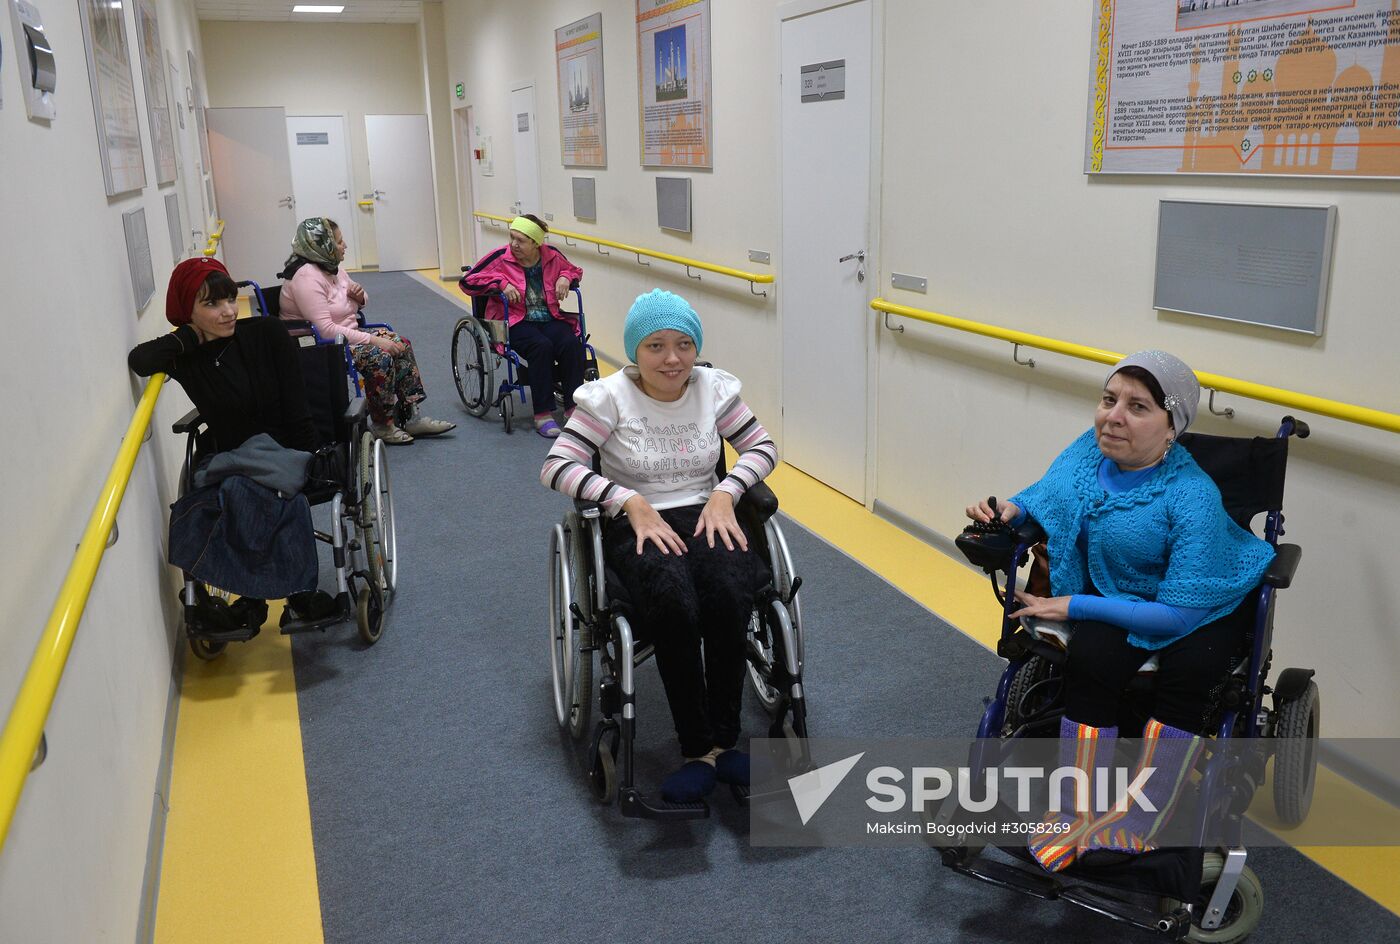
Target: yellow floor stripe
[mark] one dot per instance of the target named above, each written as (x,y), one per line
(238,863)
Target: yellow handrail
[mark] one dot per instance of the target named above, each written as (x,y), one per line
(753,278)
(214,238)
(365,203)
(25,726)
(1290,399)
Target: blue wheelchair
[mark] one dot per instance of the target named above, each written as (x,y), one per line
(487,371)
(1228,897)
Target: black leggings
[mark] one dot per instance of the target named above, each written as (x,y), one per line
(545,344)
(680,600)
(1101,663)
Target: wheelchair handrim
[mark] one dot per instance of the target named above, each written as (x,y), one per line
(560,655)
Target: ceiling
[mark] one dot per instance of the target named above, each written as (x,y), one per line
(356,11)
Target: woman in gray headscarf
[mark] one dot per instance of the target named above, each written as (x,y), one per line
(317,289)
(1143,560)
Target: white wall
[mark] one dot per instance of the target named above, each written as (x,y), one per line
(985,195)
(350,69)
(73,866)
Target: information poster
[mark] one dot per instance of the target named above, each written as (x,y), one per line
(1301,87)
(157,96)
(113,95)
(673,75)
(578,51)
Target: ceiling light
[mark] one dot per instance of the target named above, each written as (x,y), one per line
(305,8)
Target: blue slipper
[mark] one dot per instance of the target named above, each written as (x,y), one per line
(695,780)
(548,429)
(732,767)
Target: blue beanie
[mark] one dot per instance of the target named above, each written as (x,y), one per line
(657,311)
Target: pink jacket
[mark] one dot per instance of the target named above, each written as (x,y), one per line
(498,268)
(313,295)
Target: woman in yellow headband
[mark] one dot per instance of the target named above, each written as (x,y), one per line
(524,282)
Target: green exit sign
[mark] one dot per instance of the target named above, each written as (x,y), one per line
(461,92)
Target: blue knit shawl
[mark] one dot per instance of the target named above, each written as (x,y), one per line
(1168,540)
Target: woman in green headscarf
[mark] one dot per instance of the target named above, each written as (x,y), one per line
(318,290)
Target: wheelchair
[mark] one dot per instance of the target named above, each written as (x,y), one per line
(357,486)
(594,650)
(269,303)
(481,351)
(1250,475)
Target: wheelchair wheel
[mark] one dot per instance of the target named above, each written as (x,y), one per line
(602,775)
(369,615)
(206,649)
(570,661)
(784,574)
(1242,914)
(471,366)
(378,536)
(508,412)
(1295,757)
(1032,672)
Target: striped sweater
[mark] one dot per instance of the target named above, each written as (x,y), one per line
(666,452)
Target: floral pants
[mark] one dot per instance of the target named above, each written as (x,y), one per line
(392,383)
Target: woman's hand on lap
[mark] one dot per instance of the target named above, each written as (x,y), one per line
(648,525)
(718,518)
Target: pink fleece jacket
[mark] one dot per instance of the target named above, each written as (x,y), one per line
(313,295)
(498,268)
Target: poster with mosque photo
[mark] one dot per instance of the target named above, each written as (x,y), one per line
(578,53)
(673,78)
(1265,87)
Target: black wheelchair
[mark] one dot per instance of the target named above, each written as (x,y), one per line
(594,650)
(352,475)
(481,353)
(1250,475)
(269,305)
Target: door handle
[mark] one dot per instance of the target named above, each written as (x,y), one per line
(289,202)
(378,194)
(344,195)
(859,254)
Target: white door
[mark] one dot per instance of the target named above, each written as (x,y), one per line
(401,173)
(826,225)
(253,186)
(321,174)
(527,154)
(466,202)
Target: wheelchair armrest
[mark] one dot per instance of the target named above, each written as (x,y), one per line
(1283,566)
(589,509)
(761,499)
(1030,532)
(189,423)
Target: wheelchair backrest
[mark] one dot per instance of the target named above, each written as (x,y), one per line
(1248,471)
(327,388)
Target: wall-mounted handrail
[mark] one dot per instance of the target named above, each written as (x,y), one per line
(753,278)
(1303,402)
(24,728)
(214,238)
(365,203)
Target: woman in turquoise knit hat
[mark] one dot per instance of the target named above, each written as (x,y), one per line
(656,429)
(1144,560)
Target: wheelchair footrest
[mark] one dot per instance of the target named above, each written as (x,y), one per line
(740,793)
(1173,926)
(634,803)
(198,631)
(291,627)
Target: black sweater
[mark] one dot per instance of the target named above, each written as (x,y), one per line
(244,385)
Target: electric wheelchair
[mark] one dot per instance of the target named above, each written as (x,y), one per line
(350,473)
(594,650)
(481,352)
(1229,902)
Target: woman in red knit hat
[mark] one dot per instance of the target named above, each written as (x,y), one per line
(244,376)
